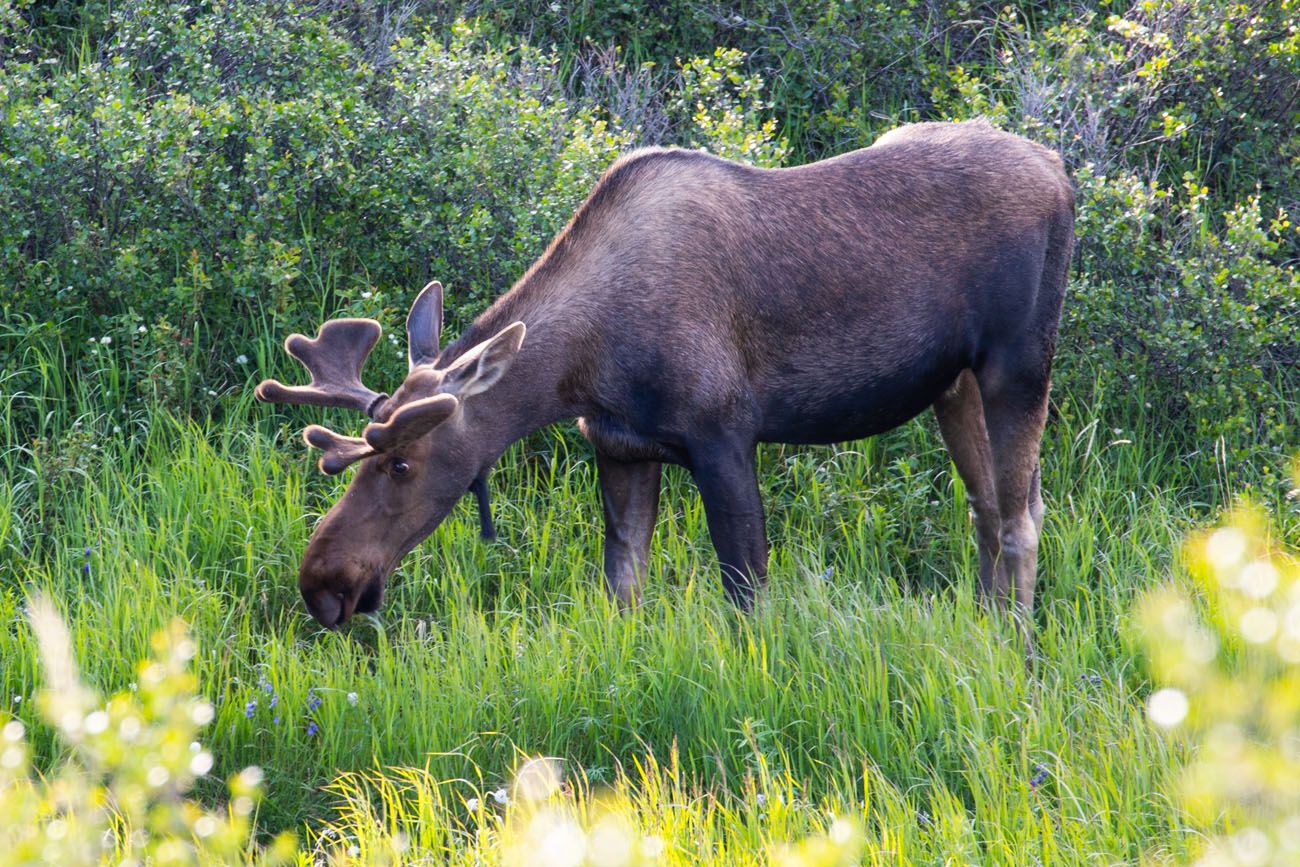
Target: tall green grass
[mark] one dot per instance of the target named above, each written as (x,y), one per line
(869,681)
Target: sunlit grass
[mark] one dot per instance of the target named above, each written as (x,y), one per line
(869,684)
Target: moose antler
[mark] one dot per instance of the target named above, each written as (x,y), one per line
(409,422)
(334,360)
(339,451)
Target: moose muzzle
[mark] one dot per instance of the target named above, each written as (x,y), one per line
(333,608)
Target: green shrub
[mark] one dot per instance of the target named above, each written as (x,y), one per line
(221,176)
(1178,123)
(1207,318)
(119,796)
(1226,655)
(727,108)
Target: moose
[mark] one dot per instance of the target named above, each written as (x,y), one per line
(694,307)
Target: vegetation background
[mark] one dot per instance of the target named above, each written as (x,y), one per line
(182,184)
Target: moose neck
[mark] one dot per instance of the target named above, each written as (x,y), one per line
(530,394)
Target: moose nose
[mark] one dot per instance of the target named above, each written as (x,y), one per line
(371,597)
(329,608)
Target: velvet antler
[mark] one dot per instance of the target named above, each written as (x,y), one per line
(334,360)
(339,451)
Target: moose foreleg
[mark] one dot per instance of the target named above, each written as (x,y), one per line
(729,489)
(479,488)
(630,499)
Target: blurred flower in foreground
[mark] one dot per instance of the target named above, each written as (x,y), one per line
(1227,664)
(119,798)
(549,816)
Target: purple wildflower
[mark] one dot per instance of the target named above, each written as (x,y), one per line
(313,700)
(85,568)
(249,708)
(312,728)
(275,699)
(1038,778)
(276,719)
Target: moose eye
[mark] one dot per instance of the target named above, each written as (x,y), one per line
(398,467)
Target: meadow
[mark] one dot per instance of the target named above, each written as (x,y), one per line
(181,186)
(869,684)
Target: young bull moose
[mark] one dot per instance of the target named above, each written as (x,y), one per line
(693,308)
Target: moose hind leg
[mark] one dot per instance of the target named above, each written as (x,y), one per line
(630,500)
(728,486)
(960,413)
(1015,409)
(1036,508)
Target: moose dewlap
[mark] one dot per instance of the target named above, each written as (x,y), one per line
(693,308)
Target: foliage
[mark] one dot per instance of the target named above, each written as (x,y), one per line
(181,185)
(1178,120)
(221,176)
(1227,655)
(1210,317)
(213,179)
(120,794)
(230,171)
(727,109)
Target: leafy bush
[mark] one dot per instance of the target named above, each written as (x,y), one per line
(1208,319)
(727,109)
(1178,121)
(120,794)
(220,176)
(1227,655)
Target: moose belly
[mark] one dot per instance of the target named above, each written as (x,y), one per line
(848,407)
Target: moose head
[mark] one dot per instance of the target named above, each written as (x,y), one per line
(422,451)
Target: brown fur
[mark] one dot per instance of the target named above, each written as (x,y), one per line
(694,307)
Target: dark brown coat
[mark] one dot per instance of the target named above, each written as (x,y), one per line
(694,307)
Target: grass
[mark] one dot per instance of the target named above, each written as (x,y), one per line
(869,682)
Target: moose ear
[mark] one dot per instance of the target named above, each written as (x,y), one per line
(481,367)
(410,422)
(424,325)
